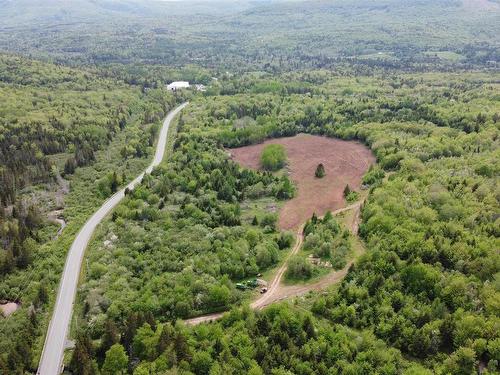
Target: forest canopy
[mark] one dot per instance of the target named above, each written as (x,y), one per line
(426,284)
(412,263)
(244,35)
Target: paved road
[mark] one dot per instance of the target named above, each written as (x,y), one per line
(277,292)
(53,350)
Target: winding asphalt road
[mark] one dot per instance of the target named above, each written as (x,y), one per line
(53,350)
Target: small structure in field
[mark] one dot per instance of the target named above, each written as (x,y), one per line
(178,85)
(262,283)
(318,262)
(314,260)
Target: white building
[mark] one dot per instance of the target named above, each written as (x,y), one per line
(174,86)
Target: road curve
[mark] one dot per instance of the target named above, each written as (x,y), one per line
(274,293)
(53,350)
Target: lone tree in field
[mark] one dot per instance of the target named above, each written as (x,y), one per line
(255,221)
(347,191)
(273,157)
(320,171)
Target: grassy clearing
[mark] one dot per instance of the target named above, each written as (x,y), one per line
(445,55)
(258,208)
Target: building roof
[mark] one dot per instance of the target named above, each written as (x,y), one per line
(178,85)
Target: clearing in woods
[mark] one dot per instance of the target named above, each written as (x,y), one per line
(345,162)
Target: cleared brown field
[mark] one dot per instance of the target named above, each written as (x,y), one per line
(345,163)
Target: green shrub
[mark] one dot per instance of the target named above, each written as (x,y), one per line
(273,157)
(353,196)
(269,220)
(299,268)
(373,176)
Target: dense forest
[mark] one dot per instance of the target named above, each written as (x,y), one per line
(50,110)
(426,288)
(83,94)
(52,113)
(61,131)
(177,241)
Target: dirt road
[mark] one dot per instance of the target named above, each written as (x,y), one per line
(276,291)
(272,293)
(56,217)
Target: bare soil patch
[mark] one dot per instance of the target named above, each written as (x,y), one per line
(345,162)
(8,308)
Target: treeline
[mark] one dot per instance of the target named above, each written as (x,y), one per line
(51,110)
(279,340)
(327,109)
(391,36)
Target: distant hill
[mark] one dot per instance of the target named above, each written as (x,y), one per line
(271,34)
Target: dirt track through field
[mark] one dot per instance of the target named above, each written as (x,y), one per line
(333,277)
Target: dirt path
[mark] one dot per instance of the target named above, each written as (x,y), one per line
(273,290)
(288,291)
(276,291)
(56,216)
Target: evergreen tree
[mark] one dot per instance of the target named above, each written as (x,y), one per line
(347,190)
(320,171)
(308,327)
(130,329)
(314,218)
(81,361)
(110,337)
(42,295)
(70,166)
(166,337)
(114,182)
(181,346)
